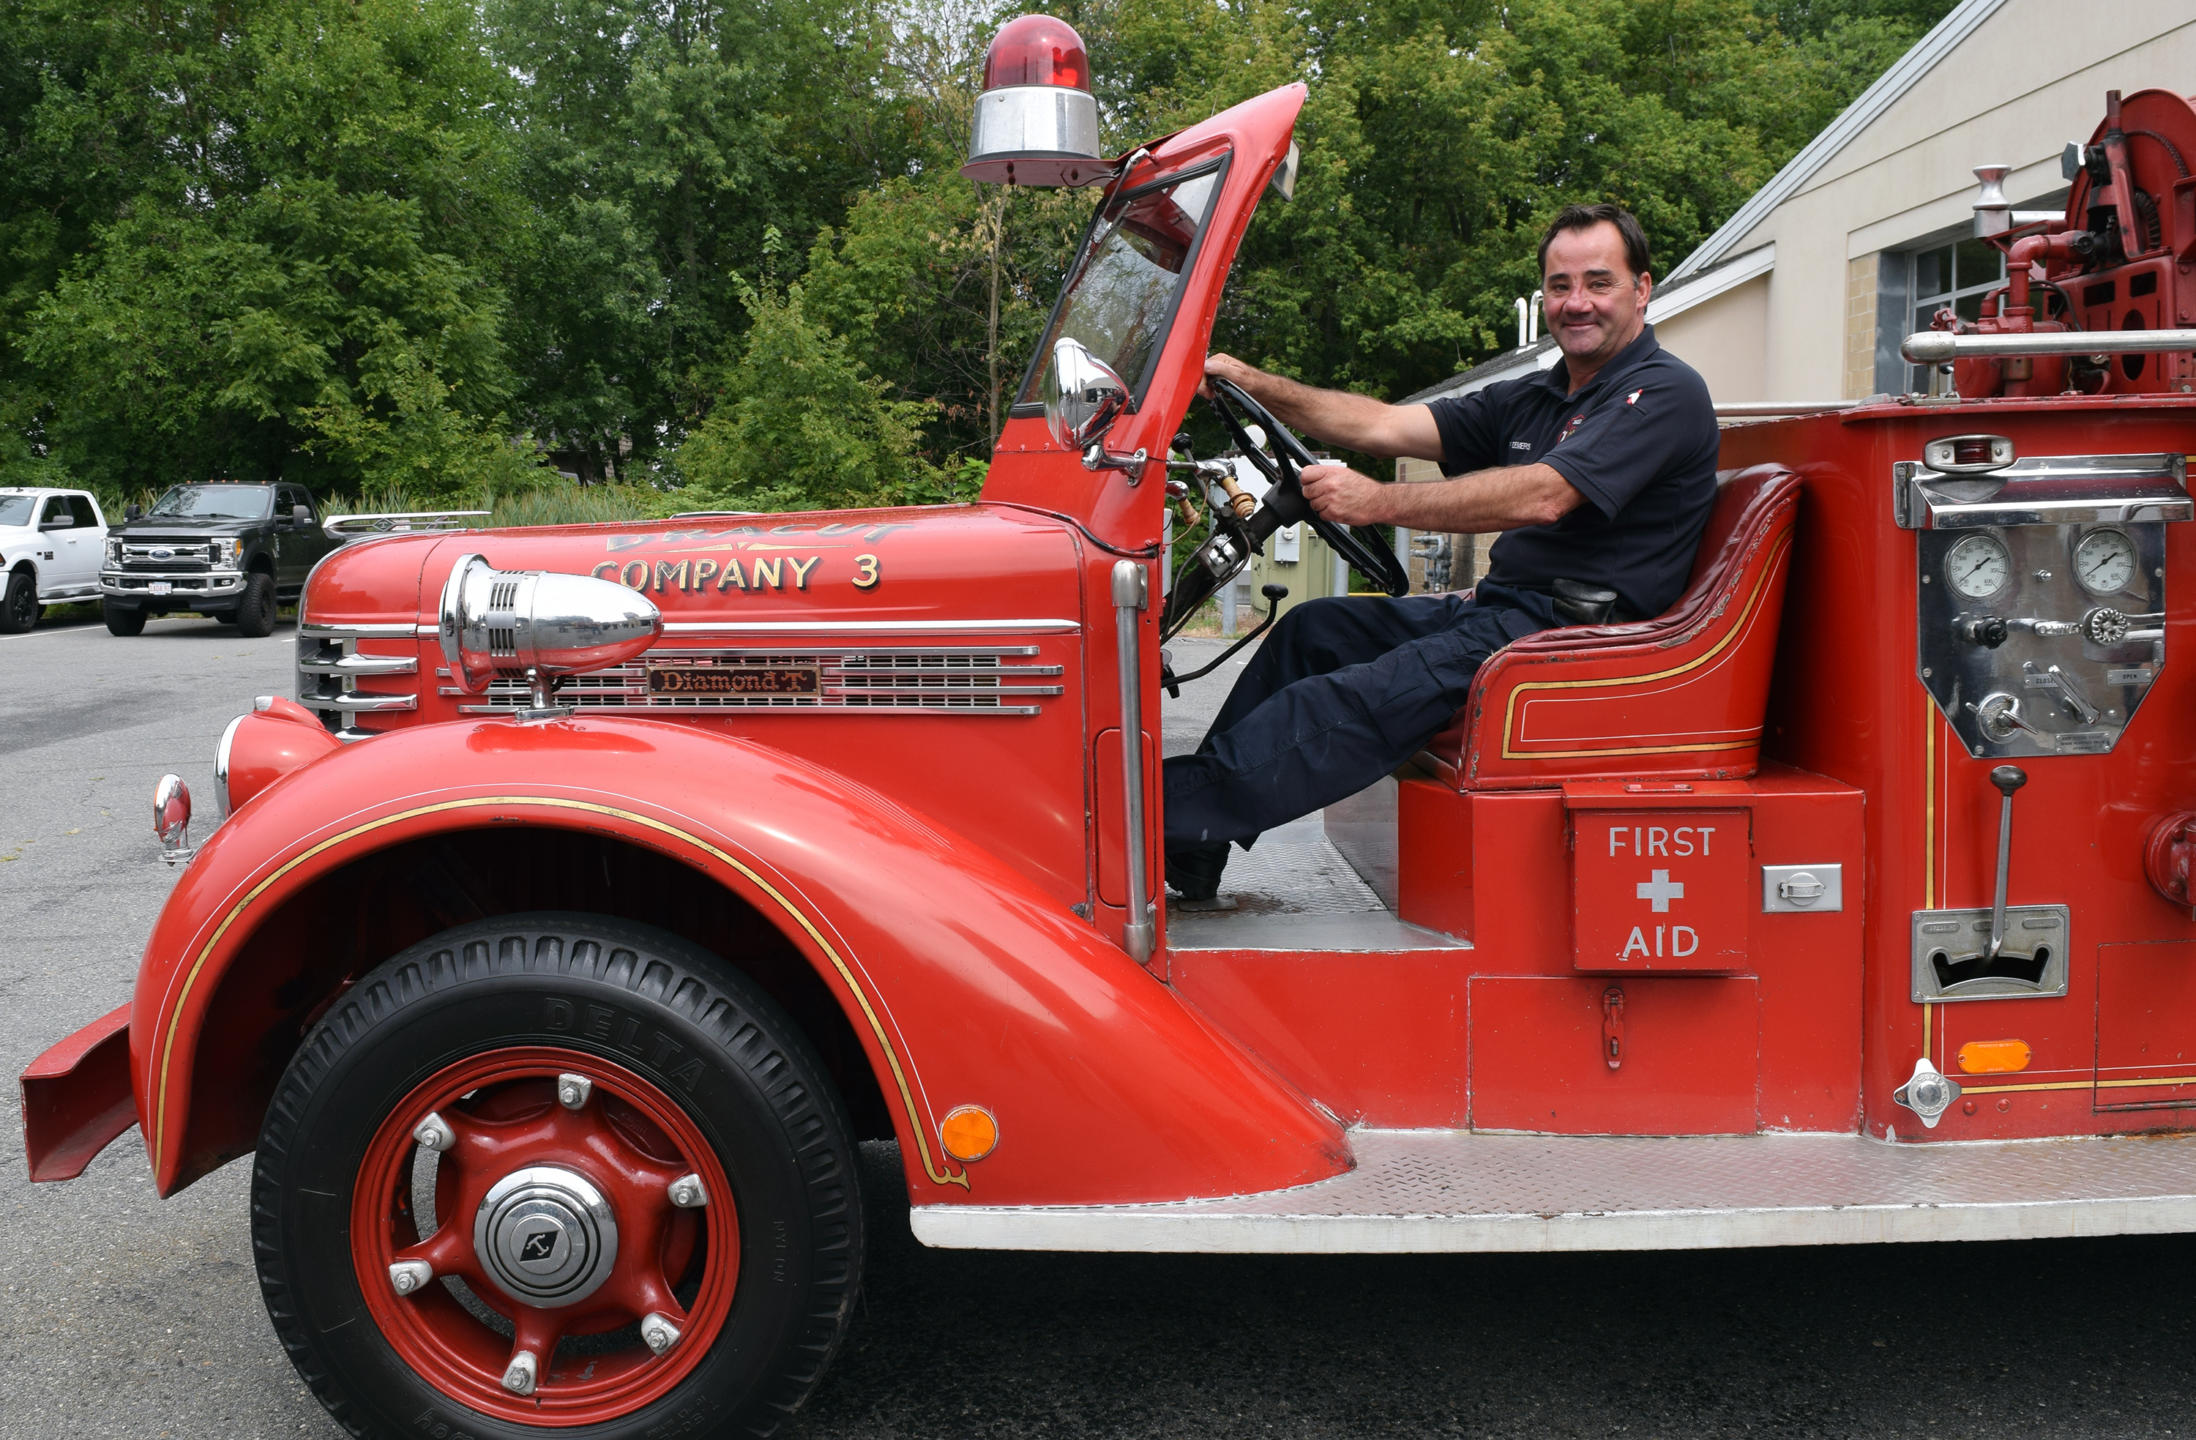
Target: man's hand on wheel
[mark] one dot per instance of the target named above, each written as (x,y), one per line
(1343,496)
(1228,368)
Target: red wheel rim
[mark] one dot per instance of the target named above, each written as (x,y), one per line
(629,1141)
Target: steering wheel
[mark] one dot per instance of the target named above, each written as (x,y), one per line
(1359,546)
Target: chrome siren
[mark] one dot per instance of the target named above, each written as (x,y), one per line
(538,626)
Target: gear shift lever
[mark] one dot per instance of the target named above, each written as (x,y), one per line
(2008,778)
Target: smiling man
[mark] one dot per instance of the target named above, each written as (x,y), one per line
(1600,472)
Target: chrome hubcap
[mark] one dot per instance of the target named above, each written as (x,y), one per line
(546,1236)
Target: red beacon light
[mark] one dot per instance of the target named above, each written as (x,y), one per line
(1036,122)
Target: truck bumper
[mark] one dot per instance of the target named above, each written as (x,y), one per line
(77,1098)
(193,590)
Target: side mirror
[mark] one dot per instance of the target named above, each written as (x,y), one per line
(301,515)
(133,512)
(1086,396)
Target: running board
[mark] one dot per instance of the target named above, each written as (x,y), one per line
(1460,1191)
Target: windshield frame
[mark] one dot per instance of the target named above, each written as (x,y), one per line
(1214,165)
(266,507)
(30,512)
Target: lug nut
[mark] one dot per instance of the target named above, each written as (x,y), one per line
(687,1193)
(434,1132)
(658,1331)
(520,1375)
(573,1090)
(405,1276)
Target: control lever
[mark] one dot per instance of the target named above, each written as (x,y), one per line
(2007,779)
(2068,691)
(1999,714)
(1274,594)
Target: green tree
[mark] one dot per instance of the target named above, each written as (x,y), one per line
(800,423)
(283,255)
(658,144)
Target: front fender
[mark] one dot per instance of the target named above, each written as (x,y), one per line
(964,984)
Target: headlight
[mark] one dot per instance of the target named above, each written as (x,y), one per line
(114,548)
(227,552)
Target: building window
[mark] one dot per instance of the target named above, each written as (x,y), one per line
(1914,284)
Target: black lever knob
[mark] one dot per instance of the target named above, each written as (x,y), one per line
(1274,594)
(1180,445)
(2008,778)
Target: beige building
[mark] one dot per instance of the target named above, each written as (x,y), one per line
(1805,293)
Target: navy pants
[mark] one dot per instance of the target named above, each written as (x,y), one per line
(1340,693)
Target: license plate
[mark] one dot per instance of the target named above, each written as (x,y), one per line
(158,587)
(760,681)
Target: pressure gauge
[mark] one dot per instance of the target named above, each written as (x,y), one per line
(1978,567)
(2104,562)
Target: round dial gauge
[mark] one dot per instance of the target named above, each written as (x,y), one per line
(2104,562)
(1978,567)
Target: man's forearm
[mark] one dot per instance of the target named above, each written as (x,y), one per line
(1352,422)
(1483,501)
(1336,417)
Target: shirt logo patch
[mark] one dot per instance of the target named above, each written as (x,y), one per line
(1633,398)
(1521,444)
(1568,430)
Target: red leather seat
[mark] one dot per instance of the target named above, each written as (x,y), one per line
(1674,698)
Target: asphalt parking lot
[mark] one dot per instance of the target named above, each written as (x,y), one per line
(123,1315)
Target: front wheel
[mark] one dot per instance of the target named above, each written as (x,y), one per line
(255,612)
(122,619)
(557,1174)
(19,607)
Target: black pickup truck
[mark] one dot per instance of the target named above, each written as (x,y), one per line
(230,550)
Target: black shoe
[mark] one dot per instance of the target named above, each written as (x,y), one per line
(1193,872)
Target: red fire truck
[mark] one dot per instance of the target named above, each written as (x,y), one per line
(603,886)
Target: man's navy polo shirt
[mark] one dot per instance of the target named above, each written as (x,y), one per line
(1639,443)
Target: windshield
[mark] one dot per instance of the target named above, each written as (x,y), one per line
(212,502)
(1121,297)
(16,509)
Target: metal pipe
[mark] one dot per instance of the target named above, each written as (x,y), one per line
(1131,591)
(1792,407)
(1935,347)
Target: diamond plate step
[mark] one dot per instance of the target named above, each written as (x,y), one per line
(1432,1190)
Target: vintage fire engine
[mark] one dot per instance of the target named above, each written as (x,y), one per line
(603,886)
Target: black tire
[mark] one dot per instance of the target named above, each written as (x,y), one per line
(122,619)
(739,1069)
(19,607)
(255,613)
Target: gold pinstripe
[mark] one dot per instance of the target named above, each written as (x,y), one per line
(935,1169)
(1782,543)
(2079,1085)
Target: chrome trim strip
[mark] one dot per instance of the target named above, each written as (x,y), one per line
(1130,590)
(866,627)
(358,704)
(370,631)
(362,665)
(221,765)
(899,712)
(399,630)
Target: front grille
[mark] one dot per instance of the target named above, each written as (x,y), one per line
(329,667)
(179,556)
(972,681)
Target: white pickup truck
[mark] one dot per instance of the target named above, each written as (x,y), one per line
(51,545)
